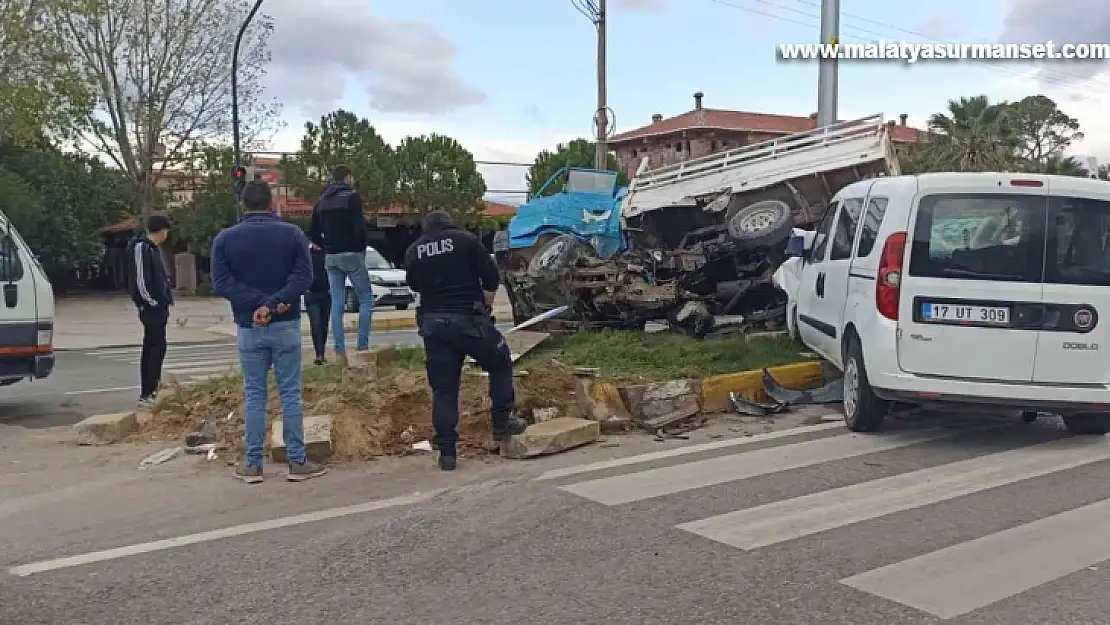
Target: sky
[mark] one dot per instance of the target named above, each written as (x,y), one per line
(509,78)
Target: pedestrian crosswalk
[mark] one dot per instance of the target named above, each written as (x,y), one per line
(988,559)
(183,363)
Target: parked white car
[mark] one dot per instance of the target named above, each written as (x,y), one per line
(960,288)
(387,283)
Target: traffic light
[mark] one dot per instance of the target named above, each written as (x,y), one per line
(239,177)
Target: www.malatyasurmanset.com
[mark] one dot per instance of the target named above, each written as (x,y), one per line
(908,52)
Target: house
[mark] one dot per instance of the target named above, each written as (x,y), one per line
(704,131)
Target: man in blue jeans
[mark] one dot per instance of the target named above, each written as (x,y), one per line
(262,266)
(339,228)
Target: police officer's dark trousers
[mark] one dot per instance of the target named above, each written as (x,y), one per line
(448,340)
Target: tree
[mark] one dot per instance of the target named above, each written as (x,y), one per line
(1042,129)
(437,172)
(40,95)
(58,202)
(1059,165)
(577,153)
(974,135)
(213,207)
(161,70)
(341,138)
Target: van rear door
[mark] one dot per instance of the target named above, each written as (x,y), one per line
(971,298)
(1073,345)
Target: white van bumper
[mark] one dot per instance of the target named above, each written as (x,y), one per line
(918,389)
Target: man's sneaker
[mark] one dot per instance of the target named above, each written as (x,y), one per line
(249,474)
(305,471)
(146,402)
(514,425)
(448,463)
(320,361)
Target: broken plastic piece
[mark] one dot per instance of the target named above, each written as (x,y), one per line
(422,446)
(830,393)
(751,408)
(160,457)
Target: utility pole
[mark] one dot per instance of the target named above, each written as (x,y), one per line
(601,158)
(235,81)
(827,79)
(595,11)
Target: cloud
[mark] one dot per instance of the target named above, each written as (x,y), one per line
(940,28)
(1038,21)
(503,177)
(322,47)
(640,5)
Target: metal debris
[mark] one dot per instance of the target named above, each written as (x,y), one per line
(830,393)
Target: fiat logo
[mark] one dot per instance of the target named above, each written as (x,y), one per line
(1084,318)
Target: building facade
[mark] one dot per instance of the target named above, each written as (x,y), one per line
(704,131)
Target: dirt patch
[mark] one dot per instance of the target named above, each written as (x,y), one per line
(372,417)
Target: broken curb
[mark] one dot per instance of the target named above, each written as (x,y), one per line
(105,429)
(551,437)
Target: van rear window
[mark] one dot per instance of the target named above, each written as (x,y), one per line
(979,237)
(1077,248)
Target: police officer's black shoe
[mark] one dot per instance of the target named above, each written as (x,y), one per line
(448,463)
(514,425)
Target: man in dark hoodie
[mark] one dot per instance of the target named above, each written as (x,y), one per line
(317,303)
(262,266)
(339,228)
(457,281)
(150,290)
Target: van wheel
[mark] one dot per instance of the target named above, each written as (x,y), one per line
(796,333)
(863,410)
(1087,423)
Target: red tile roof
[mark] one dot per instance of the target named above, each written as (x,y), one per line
(741,121)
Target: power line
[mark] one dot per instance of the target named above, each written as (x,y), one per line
(1053,77)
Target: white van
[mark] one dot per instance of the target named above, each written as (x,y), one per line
(966,288)
(26,312)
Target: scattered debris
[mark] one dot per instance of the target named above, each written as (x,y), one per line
(105,429)
(541,415)
(831,393)
(422,446)
(160,457)
(317,439)
(205,435)
(551,437)
(754,409)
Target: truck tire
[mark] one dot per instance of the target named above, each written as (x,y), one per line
(863,410)
(760,225)
(554,259)
(1087,423)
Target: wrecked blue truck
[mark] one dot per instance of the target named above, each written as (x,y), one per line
(572,247)
(693,243)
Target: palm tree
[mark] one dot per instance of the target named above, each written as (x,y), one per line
(974,135)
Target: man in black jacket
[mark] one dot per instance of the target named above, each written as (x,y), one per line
(150,290)
(317,303)
(339,228)
(457,282)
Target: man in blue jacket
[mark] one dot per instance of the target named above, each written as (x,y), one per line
(339,228)
(262,266)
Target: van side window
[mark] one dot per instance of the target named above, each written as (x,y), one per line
(845,234)
(11,266)
(872,221)
(821,237)
(1077,248)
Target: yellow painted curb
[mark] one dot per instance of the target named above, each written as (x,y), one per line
(749,384)
(608,394)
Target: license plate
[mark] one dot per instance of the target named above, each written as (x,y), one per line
(399,292)
(962,313)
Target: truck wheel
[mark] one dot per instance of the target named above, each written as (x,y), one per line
(554,259)
(863,410)
(1085,423)
(761,225)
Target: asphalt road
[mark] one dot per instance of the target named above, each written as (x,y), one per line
(950,520)
(105,380)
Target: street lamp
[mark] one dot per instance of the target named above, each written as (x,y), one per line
(235,80)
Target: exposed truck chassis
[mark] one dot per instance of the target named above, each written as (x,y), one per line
(718,276)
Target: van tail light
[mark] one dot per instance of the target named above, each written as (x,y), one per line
(889,286)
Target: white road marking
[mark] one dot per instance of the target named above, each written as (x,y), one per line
(230,532)
(172,349)
(972,575)
(622,489)
(114,389)
(683,451)
(781,521)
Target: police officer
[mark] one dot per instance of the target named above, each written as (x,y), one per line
(457,281)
